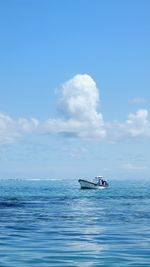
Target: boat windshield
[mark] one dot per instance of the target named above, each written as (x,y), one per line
(97,178)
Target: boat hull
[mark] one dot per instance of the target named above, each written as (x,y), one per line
(90,185)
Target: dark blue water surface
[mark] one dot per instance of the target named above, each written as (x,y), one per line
(54,223)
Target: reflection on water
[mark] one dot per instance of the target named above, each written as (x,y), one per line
(47,223)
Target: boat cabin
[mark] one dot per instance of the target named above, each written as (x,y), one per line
(99,181)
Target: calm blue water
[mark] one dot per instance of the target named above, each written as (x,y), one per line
(54,223)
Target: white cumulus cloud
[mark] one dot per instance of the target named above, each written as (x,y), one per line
(79,102)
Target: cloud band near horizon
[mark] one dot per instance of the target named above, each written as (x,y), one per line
(79,104)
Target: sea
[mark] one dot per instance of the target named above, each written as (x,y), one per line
(50,222)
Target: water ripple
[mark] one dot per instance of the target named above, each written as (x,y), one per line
(46,224)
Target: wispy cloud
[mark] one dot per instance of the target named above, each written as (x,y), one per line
(132,167)
(12,130)
(78,153)
(137,124)
(139,100)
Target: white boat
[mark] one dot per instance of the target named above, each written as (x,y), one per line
(97,183)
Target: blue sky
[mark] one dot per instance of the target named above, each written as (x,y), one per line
(75,88)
